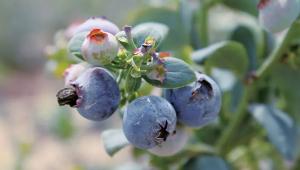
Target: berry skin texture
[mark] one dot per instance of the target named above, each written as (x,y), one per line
(98,94)
(198,103)
(99,48)
(98,23)
(148,121)
(174,144)
(277,15)
(73,72)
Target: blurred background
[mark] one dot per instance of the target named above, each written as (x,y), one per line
(36,134)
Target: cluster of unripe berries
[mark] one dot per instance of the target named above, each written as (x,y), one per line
(149,122)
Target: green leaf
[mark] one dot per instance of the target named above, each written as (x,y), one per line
(249,6)
(228,55)
(252,38)
(75,44)
(157,31)
(287,80)
(285,74)
(281,130)
(114,140)
(187,11)
(177,37)
(206,162)
(176,74)
(289,38)
(121,37)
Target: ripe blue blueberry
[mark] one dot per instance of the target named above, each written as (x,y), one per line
(148,121)
(94,93)
(197,103)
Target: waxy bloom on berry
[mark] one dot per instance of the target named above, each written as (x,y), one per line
(73,72)
(99,47)
(277,15)
(98,23)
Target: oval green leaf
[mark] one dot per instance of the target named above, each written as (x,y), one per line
(177,74)
(227,55)
(177,37)
(114,140)
(75,44)
(155,30)
(206,162)
(281,130)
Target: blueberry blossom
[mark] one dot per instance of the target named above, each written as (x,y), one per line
(98,23)
(148,121)
(99,48)
(94,93)
(277,15)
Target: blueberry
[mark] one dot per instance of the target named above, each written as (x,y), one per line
(277,15)
(197,103)
(94,93)
(148,121)
(98,23)
(73,72)
(99,47)
(174,144)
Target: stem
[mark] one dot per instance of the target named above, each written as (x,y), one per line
(278,51)
(120,77)
(261,72)
(234,124)
(203,14)
(270,61)
(127,30)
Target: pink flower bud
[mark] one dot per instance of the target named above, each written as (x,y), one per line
(277,15)
(99,48)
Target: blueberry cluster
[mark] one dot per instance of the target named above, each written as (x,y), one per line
(114,65)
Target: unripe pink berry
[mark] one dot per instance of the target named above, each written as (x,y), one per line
(99,47)
(277,15)
(98,23)
(73,72)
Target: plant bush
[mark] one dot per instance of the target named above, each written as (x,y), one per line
(257,70)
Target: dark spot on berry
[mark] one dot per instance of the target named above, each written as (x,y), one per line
(66,96)
(162,134)
(203,91)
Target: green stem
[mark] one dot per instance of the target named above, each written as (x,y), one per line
(261,72)
(120,77)
(278,51)
(270,61)
(203,18)
(234,124)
